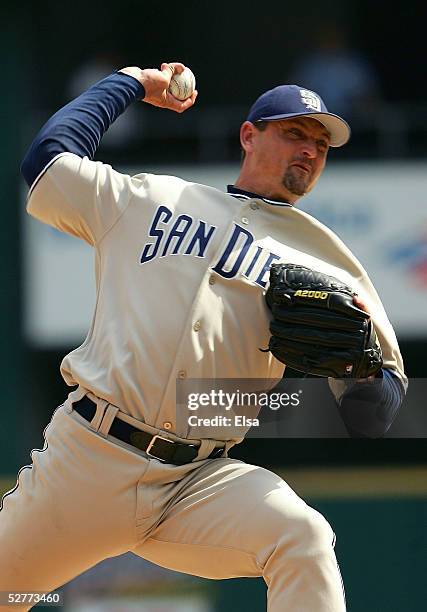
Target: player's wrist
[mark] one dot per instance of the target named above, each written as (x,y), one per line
(134,72)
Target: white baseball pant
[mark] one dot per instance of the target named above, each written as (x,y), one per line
(88,496)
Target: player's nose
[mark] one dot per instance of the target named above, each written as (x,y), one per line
(309,148)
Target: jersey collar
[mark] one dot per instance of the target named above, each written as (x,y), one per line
(248,195)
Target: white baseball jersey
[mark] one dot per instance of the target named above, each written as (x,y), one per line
(181,273)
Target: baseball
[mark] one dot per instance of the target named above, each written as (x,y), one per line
(182,85)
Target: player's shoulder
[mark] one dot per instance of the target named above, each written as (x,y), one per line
(74,174)
(174,184)
(318,232)
(67,166)
(74,164)
(312,224)
(159,178)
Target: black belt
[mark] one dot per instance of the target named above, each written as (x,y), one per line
(156,446)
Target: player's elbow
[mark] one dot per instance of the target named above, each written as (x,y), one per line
(368,409)
(367,415)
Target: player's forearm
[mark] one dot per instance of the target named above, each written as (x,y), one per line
(368,409)
(79,126)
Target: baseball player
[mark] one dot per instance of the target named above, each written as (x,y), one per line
(181,273)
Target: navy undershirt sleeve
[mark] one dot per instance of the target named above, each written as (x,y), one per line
(79,126)
(368,409)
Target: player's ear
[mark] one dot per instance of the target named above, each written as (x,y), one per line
(247,133)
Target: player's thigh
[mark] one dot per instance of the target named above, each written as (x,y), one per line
(70,509)
(229,519)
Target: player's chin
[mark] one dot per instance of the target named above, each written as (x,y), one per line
(296,184)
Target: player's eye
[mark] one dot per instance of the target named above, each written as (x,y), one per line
(295,132)
(322,145)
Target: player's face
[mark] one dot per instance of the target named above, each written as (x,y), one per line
(291,154)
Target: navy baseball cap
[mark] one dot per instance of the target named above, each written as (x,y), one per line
(286,101)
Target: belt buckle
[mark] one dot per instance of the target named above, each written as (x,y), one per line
(152,442)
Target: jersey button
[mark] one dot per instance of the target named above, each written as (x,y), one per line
(182,374)
(212,279)
(167,425)
(245,220)
(197,325)
(254,206)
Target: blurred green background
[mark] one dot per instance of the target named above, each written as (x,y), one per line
(374,492)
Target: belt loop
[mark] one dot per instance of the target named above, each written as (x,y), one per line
(109,416)
(74,397)
(99,414)
(229,444)
(205,449)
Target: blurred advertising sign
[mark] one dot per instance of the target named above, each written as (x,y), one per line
(128,583)
(141,604)
(378,209)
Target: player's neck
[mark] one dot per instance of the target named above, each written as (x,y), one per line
(257,185)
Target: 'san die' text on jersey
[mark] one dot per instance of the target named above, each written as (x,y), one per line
(184,235)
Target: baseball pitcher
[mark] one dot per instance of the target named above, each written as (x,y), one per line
(191,283)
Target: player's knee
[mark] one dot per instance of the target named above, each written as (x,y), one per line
(318,531)
(292,525)
(306,539)
(310,534)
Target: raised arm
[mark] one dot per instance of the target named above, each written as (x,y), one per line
(79,126)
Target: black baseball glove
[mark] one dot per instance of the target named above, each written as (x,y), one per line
(316,328)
